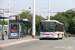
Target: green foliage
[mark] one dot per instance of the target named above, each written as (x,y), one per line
(38,19)
(0,22)
(65,33)
(62,19)
(27,14)
(68,18)
(71,36)
(4,22)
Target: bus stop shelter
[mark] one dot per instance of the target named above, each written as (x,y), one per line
(23,26)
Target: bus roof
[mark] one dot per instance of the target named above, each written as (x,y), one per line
(52,21)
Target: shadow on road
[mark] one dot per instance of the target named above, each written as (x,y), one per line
(49,39)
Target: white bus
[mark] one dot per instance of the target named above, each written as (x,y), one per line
(51,29)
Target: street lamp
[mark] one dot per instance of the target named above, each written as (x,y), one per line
(29,7)
(8,15)
(49,10)
(33,25)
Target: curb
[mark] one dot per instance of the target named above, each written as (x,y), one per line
(17,42)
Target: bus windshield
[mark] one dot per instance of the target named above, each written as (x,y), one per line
(48,28)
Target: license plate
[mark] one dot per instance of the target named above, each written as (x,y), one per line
(47,36)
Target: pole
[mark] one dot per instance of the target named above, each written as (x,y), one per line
(49,11)
(2,29)
(33,26)
(8,16)
(2,32)
(17,27)
(9,7)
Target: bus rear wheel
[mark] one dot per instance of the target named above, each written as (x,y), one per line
(40,38)
(58,37)
(62,37)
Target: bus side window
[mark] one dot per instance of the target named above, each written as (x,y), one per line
(57,27)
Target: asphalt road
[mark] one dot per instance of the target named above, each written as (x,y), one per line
(45,44)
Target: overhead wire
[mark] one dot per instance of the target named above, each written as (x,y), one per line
(36,8)
(15,4)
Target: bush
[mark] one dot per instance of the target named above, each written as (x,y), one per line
(65,33)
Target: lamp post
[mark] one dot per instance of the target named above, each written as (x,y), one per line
(33,25)
(8,16)
(2,29)
(49,11)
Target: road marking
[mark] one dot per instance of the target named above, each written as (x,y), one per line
(17,42)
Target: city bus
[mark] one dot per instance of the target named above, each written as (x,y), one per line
(51,29)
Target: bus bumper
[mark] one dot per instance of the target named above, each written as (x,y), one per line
(47,36)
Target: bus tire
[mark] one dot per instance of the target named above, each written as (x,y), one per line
(62,37)
(9,38)
(40,38)
(58,37)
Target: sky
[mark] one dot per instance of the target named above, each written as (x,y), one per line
(41,6)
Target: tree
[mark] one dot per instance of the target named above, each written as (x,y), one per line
(27,14)
(39,18)
(4,22)
(68,18)
(61,19)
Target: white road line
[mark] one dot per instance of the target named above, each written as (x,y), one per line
(17,42)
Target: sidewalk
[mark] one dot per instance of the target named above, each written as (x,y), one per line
(8,42)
